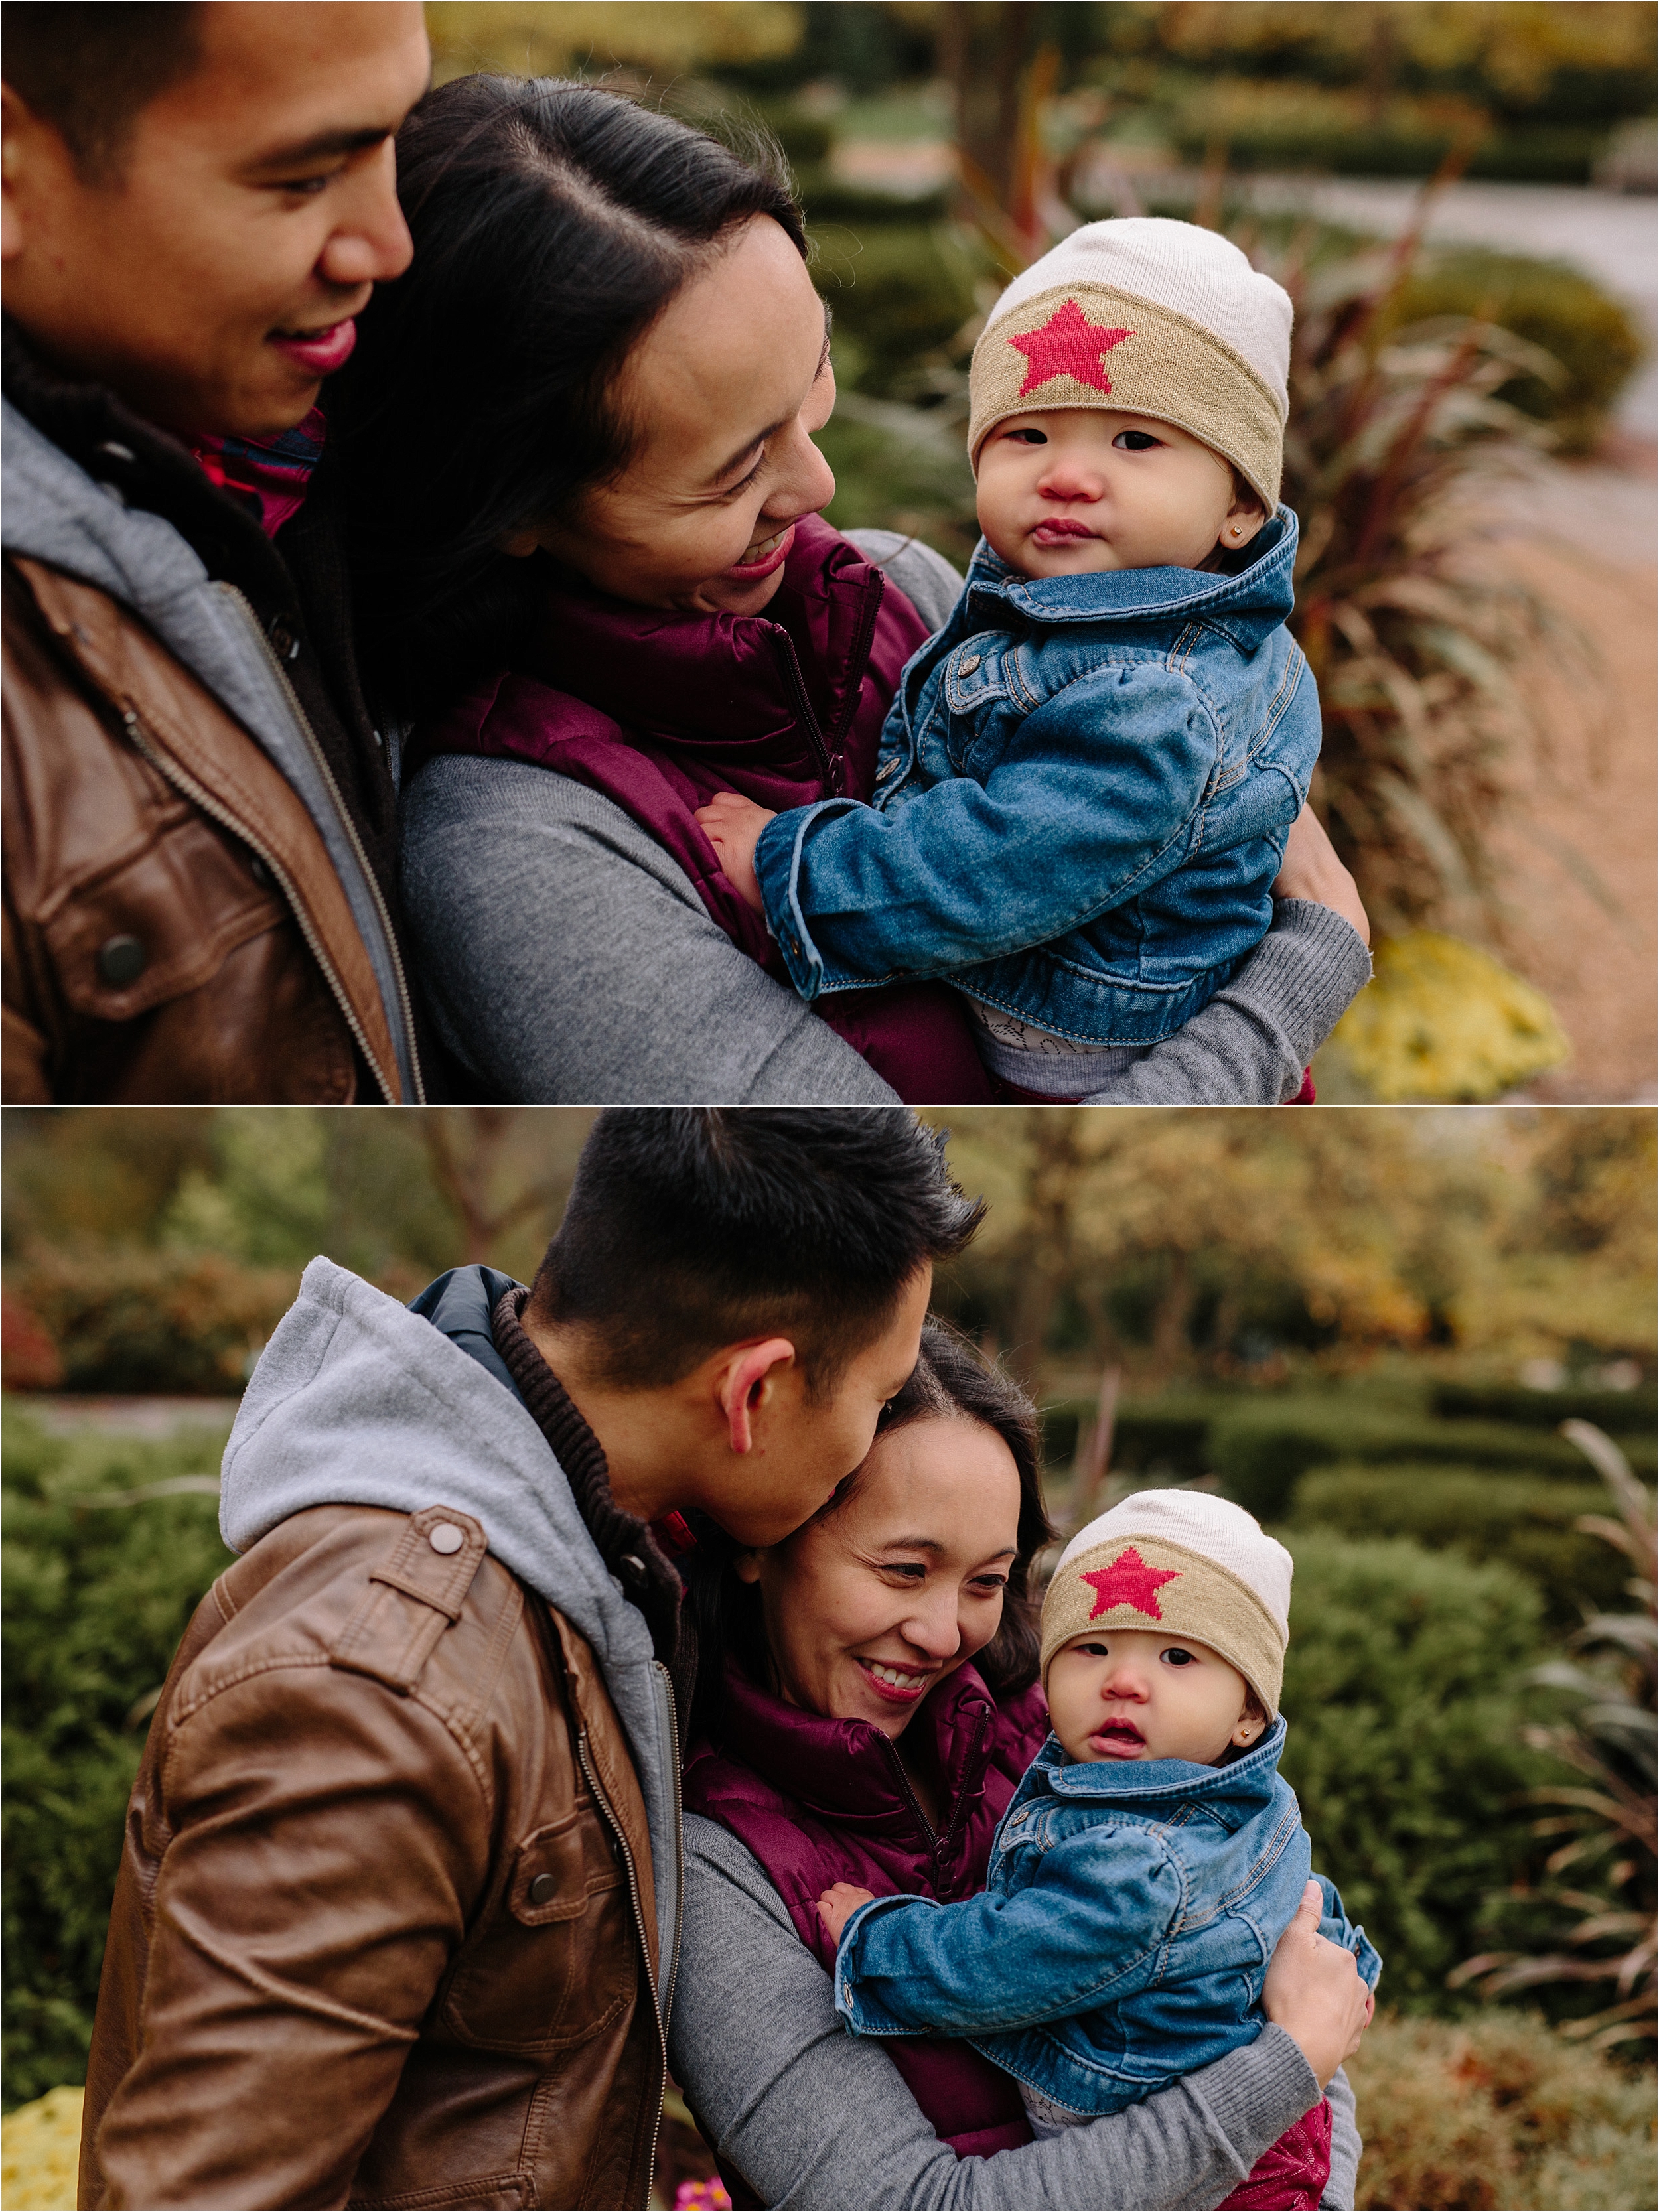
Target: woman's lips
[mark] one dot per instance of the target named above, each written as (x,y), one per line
(899,1685)
(320,353)
(767,553)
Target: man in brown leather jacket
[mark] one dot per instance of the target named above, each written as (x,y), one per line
(396,1917)
(198,813)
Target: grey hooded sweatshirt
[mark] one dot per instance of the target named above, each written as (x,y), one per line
(358,1402)
(55,513)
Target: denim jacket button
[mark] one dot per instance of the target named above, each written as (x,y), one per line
(967,667)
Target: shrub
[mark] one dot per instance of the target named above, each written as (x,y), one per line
(1571,319)
(900,289)
(1404,1747)
(1497,2111)
(1527,1523)
(136,1321)
(1621,1412)
(96,1598)
(1260,1452)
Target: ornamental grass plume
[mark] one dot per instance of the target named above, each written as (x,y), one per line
(1601,1870)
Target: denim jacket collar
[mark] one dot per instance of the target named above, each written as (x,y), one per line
(1244,607)
(1233,1793)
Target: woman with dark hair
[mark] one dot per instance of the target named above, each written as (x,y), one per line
(590,572)
(867,1704)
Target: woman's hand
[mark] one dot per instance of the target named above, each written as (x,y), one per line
(732,827)
(839,1903)
(1314,1992)
(1312,871)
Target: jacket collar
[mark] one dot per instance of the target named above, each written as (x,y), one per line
(788,677)
(849,1771)
(1234,1791)
(1244,607)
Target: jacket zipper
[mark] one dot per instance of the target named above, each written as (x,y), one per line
(182,781)
(955,1822)
(679,1847)
(910,1795)
(858,660)
(320,760)
(804,713)
(657,2012)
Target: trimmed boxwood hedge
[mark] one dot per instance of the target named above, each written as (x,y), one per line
(1405,1702)
(1523,1521)
(1621,1412)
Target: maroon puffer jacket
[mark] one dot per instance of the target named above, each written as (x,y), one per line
(660,711)
(819,1801)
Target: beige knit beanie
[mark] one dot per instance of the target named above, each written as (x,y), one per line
(1152,317)
(1185,1562)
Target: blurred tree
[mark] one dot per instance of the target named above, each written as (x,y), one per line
(589,38)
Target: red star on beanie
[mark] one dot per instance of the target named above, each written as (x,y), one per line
(1129,1581)
(1068,344)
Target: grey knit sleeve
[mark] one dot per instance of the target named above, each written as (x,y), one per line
(1249,1045)
(811,2117)
(1346,2144)
(565,959)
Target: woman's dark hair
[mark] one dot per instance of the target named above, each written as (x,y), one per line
(552,224)
(951,1382)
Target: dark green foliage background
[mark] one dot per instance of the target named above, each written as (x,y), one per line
(95,1599)
(1402,1694)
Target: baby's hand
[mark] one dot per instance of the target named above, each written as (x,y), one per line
(838,1905)
(732,827)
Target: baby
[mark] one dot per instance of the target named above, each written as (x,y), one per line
(1151,1858)
(1088,777)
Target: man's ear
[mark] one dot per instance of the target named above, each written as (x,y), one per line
(747,1378)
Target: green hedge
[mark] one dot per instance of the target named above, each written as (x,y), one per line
(136,1322)
(1621,1412)
(1403,1695)
(1526,1523)
(95,1600)
(1590,334)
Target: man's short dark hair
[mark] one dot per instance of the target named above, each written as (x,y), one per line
(90,70)
(690,1228)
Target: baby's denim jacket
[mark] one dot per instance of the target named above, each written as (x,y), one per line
(1083,792)
(1123,1936)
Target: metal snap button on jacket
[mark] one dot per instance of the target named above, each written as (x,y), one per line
(543,1889)
(446,1538)
(121,961)
(967,664)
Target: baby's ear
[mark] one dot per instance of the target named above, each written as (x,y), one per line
(1252,1722)
(1246,518)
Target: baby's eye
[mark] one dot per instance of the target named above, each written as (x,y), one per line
(1176,1657)
(1030,437)
(1135,441)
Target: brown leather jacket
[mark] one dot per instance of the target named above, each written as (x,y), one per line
(384,1932)
(174,929)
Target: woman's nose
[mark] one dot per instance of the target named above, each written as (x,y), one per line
(935,1629)
(806,482)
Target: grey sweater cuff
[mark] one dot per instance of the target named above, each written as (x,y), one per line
(1311,968)
(1259,2101)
